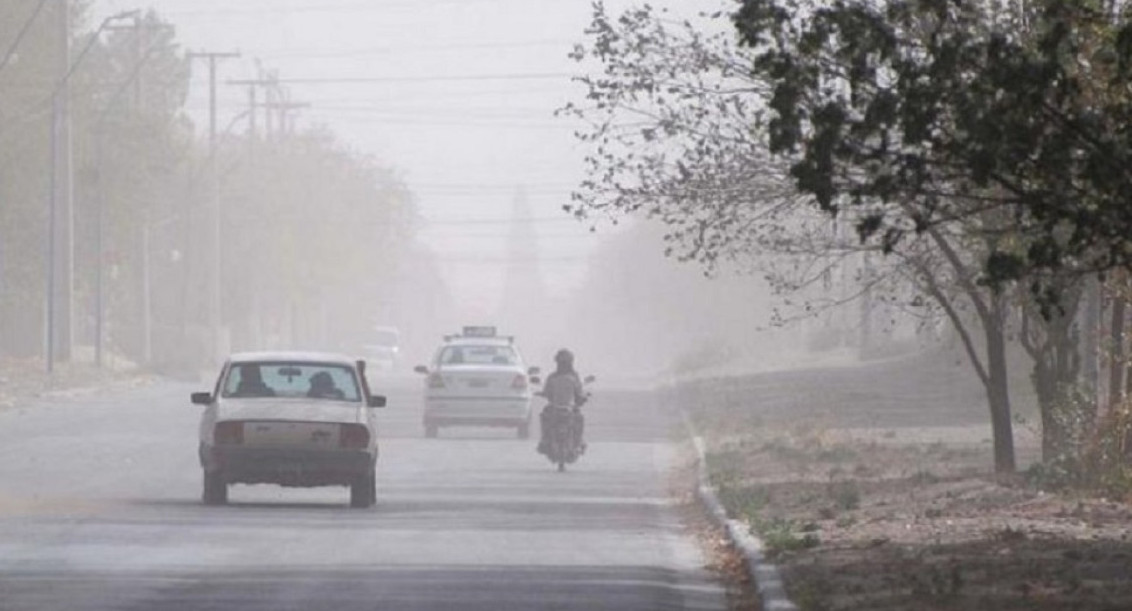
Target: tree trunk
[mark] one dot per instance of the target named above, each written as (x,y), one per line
(1116,362)
(998,391)
(1057,366)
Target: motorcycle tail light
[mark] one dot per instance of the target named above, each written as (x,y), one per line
(519,383)
(353,436)
(229,432)
(435,381)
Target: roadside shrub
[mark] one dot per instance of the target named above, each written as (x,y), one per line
(745,501)
(723,466)
(924,478)
(846,495)
(781,535)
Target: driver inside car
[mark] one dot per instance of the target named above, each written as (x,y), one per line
(251,383)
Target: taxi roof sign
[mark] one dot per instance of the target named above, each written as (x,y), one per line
(479,331)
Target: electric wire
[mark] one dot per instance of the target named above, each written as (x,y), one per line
(20,37)
(415,49)
(321,80)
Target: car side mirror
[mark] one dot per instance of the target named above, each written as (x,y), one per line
(588,379)
(421,369)
(533,371)
(375,401)
(201,398)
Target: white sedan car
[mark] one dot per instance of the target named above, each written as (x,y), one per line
(292,419)
(478,379)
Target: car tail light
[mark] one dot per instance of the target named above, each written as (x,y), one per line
(353,436)
(435,381)
(229,432)
(519,383)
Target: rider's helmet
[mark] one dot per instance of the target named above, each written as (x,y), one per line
(564,359)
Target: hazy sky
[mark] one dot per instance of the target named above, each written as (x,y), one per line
(458,95)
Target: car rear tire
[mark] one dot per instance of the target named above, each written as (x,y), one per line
(430,430)
(363,492)
(215,488)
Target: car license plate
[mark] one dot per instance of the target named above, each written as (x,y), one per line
(295,434)
(478,383)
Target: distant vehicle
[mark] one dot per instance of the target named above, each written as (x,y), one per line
(382,351)
(289,418)
(478,378)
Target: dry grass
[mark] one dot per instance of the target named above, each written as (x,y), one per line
(871,488)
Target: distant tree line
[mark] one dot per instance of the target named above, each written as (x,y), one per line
(306,224)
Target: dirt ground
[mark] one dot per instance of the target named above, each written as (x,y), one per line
(872,488)
(24,378)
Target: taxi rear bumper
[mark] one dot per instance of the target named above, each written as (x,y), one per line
(477,411)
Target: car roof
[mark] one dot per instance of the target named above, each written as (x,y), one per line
(292,356)
(479,341)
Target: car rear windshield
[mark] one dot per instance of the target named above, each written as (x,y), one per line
(286,379)
(477,355)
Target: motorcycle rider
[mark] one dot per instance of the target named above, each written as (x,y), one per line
(563,389)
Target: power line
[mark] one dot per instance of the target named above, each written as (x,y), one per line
(563,218)
(516,186)
(492,111)
(562,42)
(23,32)
(503,262)
(319,80)
(365,6)
(503,237)
(408,95)
(440,123)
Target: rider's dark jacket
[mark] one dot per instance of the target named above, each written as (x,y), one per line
(564,389)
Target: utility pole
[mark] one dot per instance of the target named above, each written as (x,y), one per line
(60,232)
(286,124)
(137,28)
(270,85)
(215,303)
(254,105)
(272,102)
(60,243)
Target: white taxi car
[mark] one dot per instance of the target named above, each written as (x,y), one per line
(289,418)
(478,378)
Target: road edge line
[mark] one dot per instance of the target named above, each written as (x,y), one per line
(765,575)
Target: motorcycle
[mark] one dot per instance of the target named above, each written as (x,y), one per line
(562,434)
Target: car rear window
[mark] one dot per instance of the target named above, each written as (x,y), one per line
(287,379)
(477,355)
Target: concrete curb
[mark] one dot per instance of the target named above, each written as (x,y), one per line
(765,576)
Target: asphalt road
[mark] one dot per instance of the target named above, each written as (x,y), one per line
(100,509)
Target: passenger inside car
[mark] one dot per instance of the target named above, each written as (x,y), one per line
(251,383)
(322,387)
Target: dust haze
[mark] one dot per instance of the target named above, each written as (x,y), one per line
(228,178)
